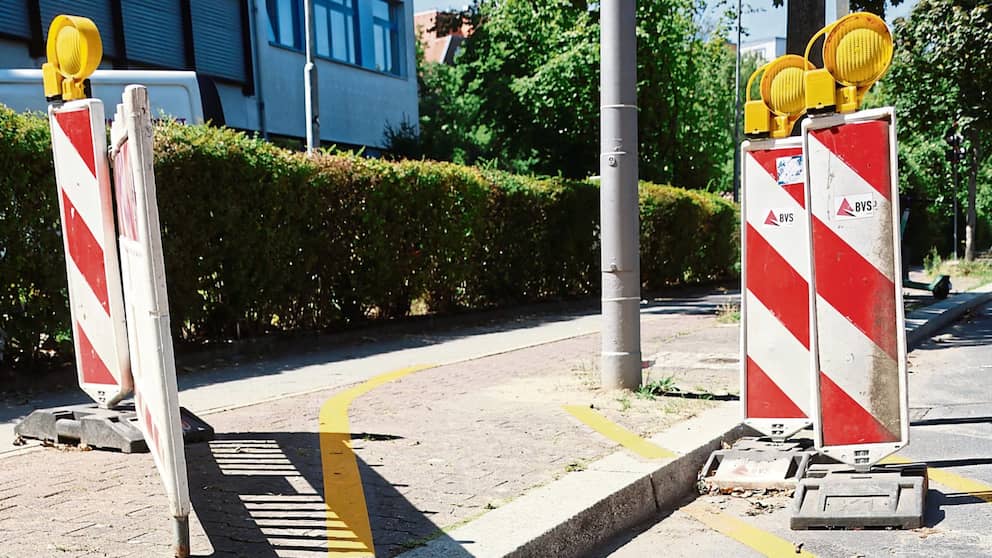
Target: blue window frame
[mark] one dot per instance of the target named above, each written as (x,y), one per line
(366,35)
(285,22)
(385,34)
(335,30)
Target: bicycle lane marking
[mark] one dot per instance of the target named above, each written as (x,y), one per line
(963,485)
(349,532)
(762,541)
(617,433)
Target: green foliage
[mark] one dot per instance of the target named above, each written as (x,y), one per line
(260,239)
(941,82)
(932,262)
(33,287)
(523,95)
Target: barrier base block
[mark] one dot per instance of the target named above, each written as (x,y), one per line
(757,464)
(90,425)
(838,497)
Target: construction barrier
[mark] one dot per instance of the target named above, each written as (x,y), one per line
(156,395)
(858,340)
(775,381)
(79,150)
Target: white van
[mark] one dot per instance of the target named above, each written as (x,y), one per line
(174,94)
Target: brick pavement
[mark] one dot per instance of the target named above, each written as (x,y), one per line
(435,449)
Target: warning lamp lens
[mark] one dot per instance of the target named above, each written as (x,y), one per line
(858,49)
(67,47)
(782,85)
(787,91)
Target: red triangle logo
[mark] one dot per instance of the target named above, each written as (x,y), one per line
(75,125)
(771,220)
(845,421)
(765,399)
(845,208)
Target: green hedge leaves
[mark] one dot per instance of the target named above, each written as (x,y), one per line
(260,239)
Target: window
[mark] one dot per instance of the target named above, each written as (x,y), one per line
(366,35)
(385,34)
(285,22)
(334,29)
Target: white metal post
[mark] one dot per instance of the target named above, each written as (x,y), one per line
(310,81)
(620,364)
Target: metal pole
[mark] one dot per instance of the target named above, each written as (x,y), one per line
(737,109)
(954,169)
(620,363)
(310,82)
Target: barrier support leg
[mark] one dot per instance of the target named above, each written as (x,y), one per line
(180,527)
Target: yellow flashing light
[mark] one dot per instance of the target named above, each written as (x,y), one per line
(782,98)
(857,50)
(74,53)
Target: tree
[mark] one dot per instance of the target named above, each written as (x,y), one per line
(941,78)
(524,93)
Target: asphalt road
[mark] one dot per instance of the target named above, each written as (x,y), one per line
(950,396)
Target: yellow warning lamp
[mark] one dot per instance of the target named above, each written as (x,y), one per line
(74,52)
(782,100)
(857,50)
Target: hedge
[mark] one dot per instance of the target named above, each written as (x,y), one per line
(260,239)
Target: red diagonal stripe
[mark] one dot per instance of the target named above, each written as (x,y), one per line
(863,146)
(94,370)
(777,285)
(765,399)
(76,126)
(798,193)
(845,421)
(855,288)
(85,251)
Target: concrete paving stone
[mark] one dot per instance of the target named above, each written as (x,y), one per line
(471,434)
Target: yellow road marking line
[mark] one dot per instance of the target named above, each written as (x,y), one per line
(343,493)
(761,541)
(617,433)
(963,485)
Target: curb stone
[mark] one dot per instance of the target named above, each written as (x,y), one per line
(585,509)
(925,322)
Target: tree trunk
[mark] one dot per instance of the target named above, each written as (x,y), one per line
(805,17)
(972,219)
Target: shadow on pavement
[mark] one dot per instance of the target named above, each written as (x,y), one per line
(950,420)
(972,333)
(260,494)
(934,512)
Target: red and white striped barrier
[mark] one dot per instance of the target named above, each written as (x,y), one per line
(857,331)
(79,149)
(775,380)
(156,396)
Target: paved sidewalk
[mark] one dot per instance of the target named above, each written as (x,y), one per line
(434,448)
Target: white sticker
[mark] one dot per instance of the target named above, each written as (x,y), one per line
(780,218)
(790,170)
(854,206)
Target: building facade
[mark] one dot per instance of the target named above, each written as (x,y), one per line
(764,49)
(251,52)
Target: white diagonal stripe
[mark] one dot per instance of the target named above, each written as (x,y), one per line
(847,355)
(80,186)
(783,357)
(94,321)
(830,178)
(764,194)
